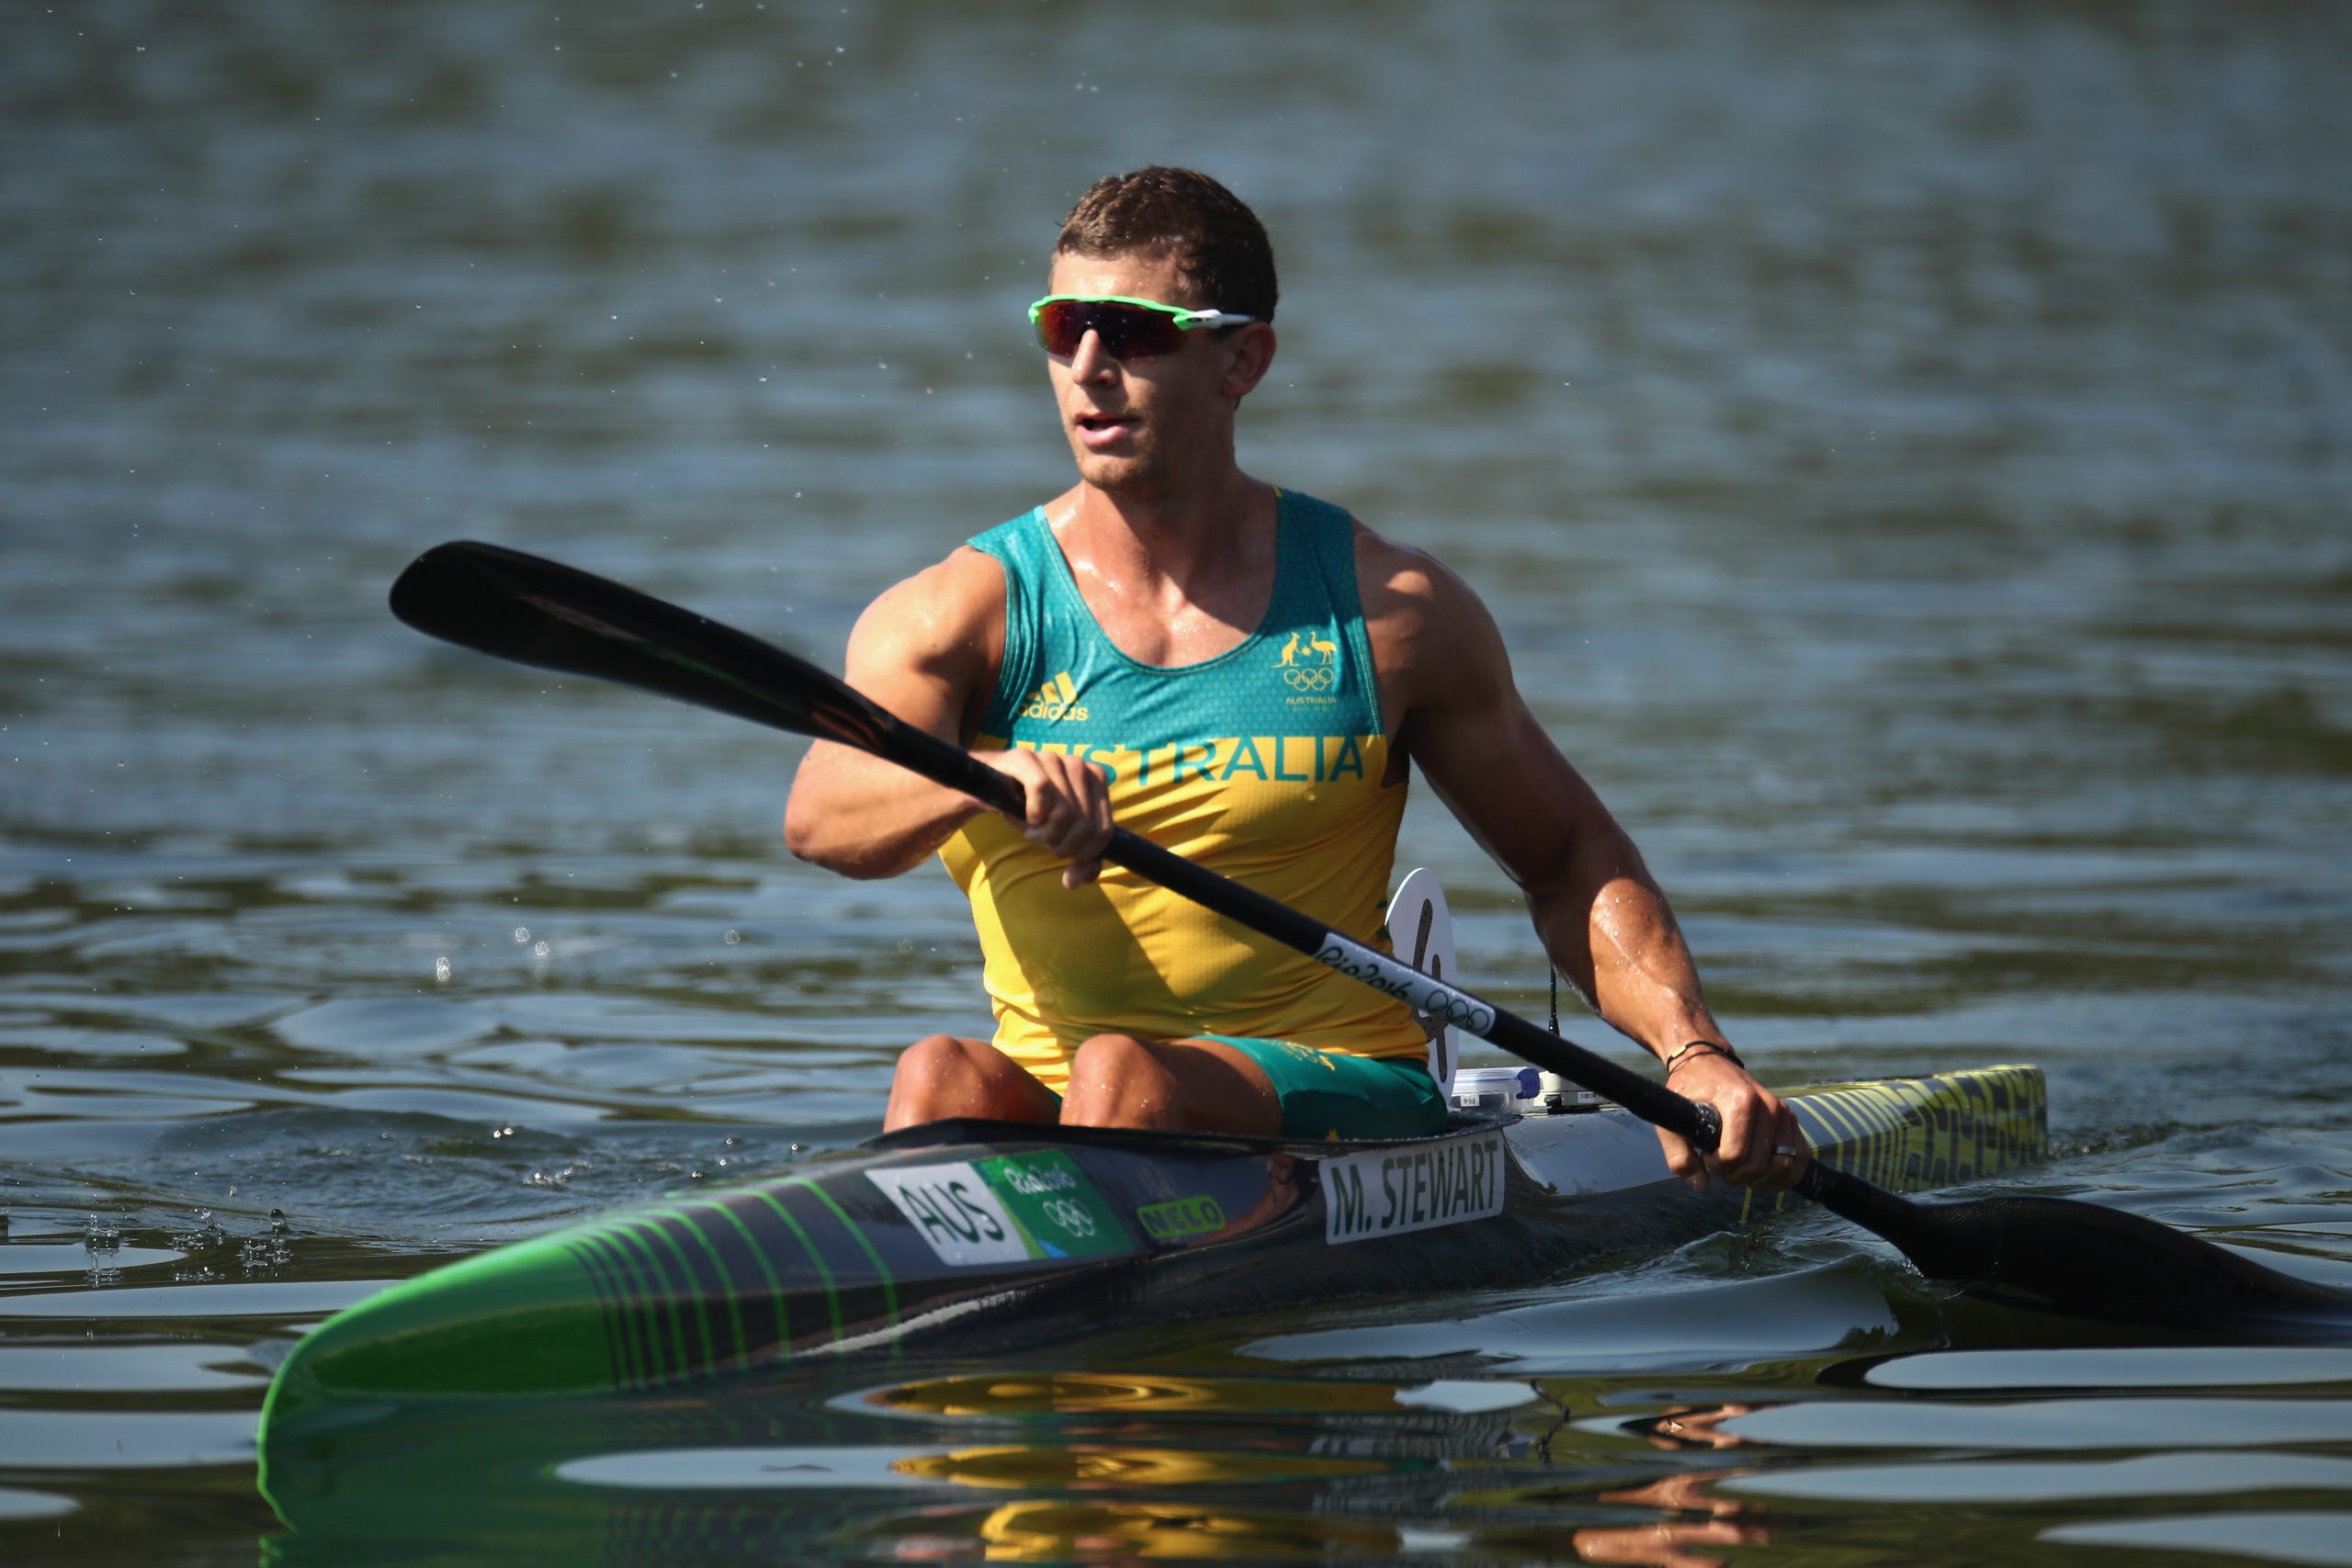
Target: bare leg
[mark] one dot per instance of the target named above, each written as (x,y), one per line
(1187,1086)
(941,1075)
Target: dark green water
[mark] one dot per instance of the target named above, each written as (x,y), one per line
(1907,448)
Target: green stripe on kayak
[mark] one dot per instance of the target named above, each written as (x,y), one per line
(730,1289)
(881,1269)
(775,1286)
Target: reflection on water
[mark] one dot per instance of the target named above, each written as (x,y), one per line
(1119,1461)
(1905,448)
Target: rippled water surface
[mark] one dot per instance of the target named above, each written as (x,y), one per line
(1907,448)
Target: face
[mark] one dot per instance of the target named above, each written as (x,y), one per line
(1142,427)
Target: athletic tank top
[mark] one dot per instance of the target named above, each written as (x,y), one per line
(1264,764)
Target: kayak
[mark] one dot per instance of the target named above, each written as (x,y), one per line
(997,1234)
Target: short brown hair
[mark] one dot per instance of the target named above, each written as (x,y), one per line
(1221,248)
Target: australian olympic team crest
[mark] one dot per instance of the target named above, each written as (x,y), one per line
(1309,661)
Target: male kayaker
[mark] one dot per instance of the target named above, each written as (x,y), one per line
(1246,676)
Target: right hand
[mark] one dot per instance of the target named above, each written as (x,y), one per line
(1069,807)
(1757,1124)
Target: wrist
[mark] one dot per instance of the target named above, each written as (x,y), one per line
(1702,1048)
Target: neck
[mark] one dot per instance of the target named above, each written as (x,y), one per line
(1202,531)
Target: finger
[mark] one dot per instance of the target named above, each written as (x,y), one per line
(1789,1154)
(1009,763)
(1047,797)
(1036,786)
(1082,830)
(1054,806)
(1682,1160)
(1736,1150)
(1070,836)
(1098,799)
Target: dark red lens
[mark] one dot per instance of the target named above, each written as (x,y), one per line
(1129,331)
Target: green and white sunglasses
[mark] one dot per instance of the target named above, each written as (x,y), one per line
(1129,328)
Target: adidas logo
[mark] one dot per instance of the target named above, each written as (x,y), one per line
(1055,700)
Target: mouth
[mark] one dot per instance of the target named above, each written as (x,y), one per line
(1099,432)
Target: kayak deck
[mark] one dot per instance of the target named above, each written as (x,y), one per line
(1009,1229)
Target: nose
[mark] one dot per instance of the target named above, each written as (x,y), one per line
(1091,361)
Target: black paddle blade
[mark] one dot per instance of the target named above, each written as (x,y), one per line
(2088,1260)
(542,612)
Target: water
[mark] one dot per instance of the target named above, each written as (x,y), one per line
(1906,449)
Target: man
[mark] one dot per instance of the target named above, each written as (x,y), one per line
(1246,676)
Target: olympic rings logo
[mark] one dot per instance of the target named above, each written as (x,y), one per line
(1072,1217)
(1311,679)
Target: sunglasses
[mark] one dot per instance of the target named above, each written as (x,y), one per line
(1129,329)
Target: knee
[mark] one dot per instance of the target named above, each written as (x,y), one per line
(1115,1081)
(1110,1057)
(933,1078)
(930,1060)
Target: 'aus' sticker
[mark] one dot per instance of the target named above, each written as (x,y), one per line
(955,1211)
(1006,1209)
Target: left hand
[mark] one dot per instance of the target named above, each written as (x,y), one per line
(1757,1124)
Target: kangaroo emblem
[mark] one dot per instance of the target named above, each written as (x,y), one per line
(1318,671)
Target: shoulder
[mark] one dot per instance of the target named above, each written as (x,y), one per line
(1397,580)
(951,613)
(1432,635)
(1412,595)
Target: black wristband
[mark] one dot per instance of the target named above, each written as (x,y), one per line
(1714,1046)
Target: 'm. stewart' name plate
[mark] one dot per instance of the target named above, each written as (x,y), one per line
(1420,1187)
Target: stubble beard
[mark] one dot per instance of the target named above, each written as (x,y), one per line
(1139,476)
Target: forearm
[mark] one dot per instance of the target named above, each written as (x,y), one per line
(864,818)
(1612,935)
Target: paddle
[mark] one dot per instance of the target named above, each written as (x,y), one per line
(2074,1257)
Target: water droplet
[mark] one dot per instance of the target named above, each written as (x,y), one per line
(538,950)
(734,939)
(521,934)
(441,970)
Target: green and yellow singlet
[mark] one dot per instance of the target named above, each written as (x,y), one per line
(1264,763)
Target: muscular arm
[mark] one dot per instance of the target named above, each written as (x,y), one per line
(1601,918)
(927,650)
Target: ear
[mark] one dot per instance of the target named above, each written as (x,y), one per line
(1250,352)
